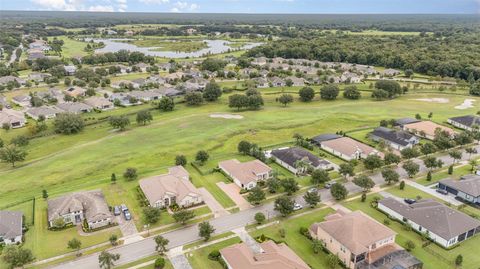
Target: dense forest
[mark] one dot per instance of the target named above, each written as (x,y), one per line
(456,55)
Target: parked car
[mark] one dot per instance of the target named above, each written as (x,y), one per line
(410,201)
(297,206)
(328,185)
(442,191)
(312,190)
(127,215)
(116,210)
(123,207)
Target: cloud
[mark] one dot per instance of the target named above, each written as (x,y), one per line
(69,5)
(82,5)
(100,8)
(180,6)
(155,1)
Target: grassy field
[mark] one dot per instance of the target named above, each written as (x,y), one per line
(467,248)
(297,242)
(183,45)
(72,48)
(199,257)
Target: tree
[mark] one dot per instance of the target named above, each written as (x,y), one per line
(319,176)
(144,117)
(317,245)
(379,94)
(402,185)
(352,93)
(273,184)
(212,92)
(159,263)
(284,205)
(237,101)
(459,260)
(409,73)
(68,123)
(409,153)
(44,194)
(372,162)
(205,230)
(392,87)
(166,104)
(130,174)
(285,99)
(364,182)
(390,175)
(202,156)
(391,158)
(20,141)
(151,214)
(259,217)
(409,245)
(193,98)
(470,151)
(338,191)
(431,162)
(312,198)
(346,169)
(113,239)
(411,168)
(290,185)
(12,154)
(333,261)
(119,122)
(428,148)
(255,101)
(17,256)
(107,260)
(306,94)
(244,147)
(161,244)
(256,195)
(329,92)
(455,155)
(113,178)
(75,244)
(183,215)
(180,160)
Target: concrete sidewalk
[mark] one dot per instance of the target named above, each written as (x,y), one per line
(433,192)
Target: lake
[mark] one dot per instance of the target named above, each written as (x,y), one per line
(214,47)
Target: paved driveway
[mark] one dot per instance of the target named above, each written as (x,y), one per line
(178,259)
(233,191)
(213,204)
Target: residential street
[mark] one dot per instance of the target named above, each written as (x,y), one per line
(134,251)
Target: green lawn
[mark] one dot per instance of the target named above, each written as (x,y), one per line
(168,265)
(183,45)
(199,258)
(468,248)
(457,172)
(297,242)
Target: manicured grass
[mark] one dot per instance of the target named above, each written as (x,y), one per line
(170,45)
(199,257)
(168,265)
(213,238)
(297,242)
(457,172)
(72,48)
(467,248)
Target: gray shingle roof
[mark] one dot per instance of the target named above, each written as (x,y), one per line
(394,136)
(292,155)
(434,216)
(325,137)
(468,120)
(469,184)
(11,224)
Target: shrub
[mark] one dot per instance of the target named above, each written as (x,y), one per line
(214,255)
(159,263)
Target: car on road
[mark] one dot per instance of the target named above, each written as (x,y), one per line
(297,206)
(328,185)
(116,211)
(409,201)
(127,215)
(442,191)
(312,190)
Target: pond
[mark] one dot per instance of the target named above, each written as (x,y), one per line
(213,47)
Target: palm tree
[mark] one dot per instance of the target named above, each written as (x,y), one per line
(106,260)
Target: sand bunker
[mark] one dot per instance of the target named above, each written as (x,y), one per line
(434,100)
(468,103)
(226,116)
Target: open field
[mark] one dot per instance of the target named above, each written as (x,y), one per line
(72,48)
(199,258)
(169,45)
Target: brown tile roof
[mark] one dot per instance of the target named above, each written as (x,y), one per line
(355,230)
(176,183)
(348,146)
(274,256)
(428,127)
(245,172)
(434,216)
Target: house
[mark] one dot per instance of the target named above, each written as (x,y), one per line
(45,111)
(76,207)
(75,91)
(271,256)
(260,61)
(4,103)
(246,175)
(296,81)
(291,157)
(34,54)
(171,188)
(70,70)
(359,241)
(146,96)
(40,45)
(261,82)
(111,32)
(404,121)
(169,92)
(6,79)
(278,82)
(142,67)
(467,188)
(396,139)
(22,100)
(349,77)
(99,103)
(38,77)
(468,122)
(74,107)
(442,224)
(344,147)
(201,82)
(427,129)
(124,84)
(11,227)
(390,72)
(123,99)
(51,94)
(12,118)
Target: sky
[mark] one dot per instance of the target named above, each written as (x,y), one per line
(252,6)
